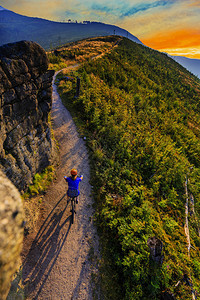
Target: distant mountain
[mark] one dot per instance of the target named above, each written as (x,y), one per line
(15,27)
(2,8)
(192,65)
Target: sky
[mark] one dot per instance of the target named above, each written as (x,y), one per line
(171,26)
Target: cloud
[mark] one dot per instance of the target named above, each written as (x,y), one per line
(145,7)
(175,17)
(194,3)
(191,52)
(114,11)
(149,20)
(177,42)
(9,4)
(127,9)
(48,9)
(173,39)
(102,8)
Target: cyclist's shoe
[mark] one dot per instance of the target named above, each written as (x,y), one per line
(76,201)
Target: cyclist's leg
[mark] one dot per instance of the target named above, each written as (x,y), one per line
(68,197)
(77,198)
(73,209)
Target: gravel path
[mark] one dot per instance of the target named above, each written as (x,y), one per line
(62,257)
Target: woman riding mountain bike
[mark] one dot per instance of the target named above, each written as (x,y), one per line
(73,184)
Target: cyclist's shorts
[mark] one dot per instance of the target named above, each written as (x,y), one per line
(73,193)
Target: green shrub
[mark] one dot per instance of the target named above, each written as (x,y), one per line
(40,182)
(140,110)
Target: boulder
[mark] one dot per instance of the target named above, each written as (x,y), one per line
(25,103)
(11,232)
(155,246)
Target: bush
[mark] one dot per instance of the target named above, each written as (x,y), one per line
(142,144)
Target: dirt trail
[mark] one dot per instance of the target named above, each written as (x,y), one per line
(60,260)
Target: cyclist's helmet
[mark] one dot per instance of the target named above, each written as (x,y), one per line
(74,172)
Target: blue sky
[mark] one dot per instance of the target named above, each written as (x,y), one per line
(168,25)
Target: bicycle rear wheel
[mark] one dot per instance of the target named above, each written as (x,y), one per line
(73,202)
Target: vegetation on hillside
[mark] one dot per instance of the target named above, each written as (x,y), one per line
(79,52)
(140,112)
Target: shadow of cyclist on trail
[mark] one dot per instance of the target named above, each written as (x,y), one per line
(45,249)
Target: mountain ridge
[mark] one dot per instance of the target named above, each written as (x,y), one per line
(50,34)
(2,8)
(191,64)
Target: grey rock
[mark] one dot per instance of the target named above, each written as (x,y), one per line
(11,233)
(9,97)
(7,111)
(5,84)
(25,90)
(14,67)
(25,102)
(155,246)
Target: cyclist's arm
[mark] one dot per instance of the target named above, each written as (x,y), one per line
(81,177)
(65,177)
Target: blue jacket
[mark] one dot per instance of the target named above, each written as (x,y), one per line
(73,184)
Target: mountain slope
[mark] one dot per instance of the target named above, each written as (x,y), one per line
(15,27)
(193,65)
(2,8)
(140,112)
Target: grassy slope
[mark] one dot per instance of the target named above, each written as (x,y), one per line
(140,111)
(80,51)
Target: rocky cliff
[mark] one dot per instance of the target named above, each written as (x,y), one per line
(25,102)
(11,232)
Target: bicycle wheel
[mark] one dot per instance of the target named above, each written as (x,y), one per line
(73,209)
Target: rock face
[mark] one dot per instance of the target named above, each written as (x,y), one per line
(155,246)
(11,232)
(25,102)
(167,296)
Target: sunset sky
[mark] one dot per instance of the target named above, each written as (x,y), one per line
(171,26)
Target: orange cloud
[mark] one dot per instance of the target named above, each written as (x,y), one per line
(44,9)
(194,3)
(174,40)
(188,52)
